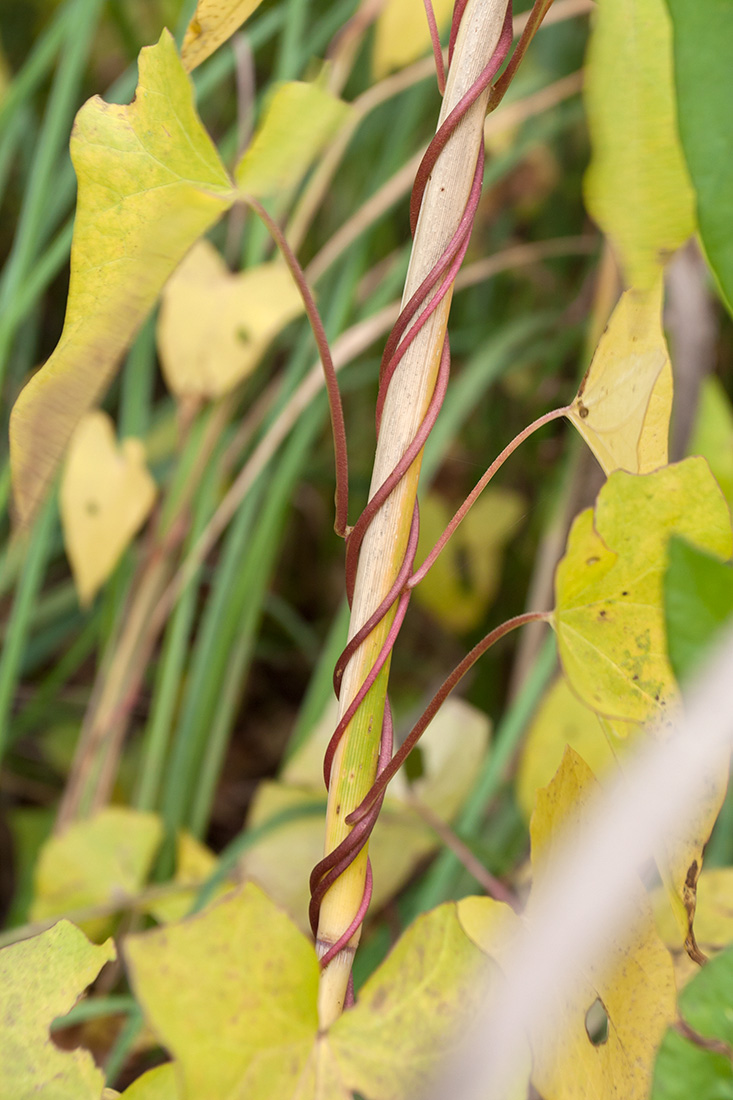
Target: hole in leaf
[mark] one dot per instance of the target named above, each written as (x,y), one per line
(596,1023)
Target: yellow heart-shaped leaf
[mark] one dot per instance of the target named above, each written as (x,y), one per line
(214,326)
(624,403)
(106,496)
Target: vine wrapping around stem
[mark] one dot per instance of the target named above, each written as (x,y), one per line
(432,291)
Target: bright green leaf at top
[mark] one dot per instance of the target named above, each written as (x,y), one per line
(684,1069)
(633,979)
(712,433)
(211,24)
(609,601)
(150,184)
(624,403)
(299,119)
(465,578)
(698,600)
(703,73)
(40,980)
(100,860)
(637,186)
(401,33)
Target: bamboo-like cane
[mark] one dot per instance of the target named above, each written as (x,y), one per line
(385,543)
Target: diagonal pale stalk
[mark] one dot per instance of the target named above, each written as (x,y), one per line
(384,546)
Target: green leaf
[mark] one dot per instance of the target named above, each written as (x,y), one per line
(703,73)
(683,1069)
(40,980)
(150,184)
(299,120)
(102,859)
(698,600)
(609,615)
(637,187)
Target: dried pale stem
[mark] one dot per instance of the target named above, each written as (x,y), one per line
(385,542)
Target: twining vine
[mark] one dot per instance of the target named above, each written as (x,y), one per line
(411,320)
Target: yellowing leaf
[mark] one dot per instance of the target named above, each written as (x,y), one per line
(560,720)
(160,1083)
(610,622)
(637,186)
(150,184)
(465,578)
(40,980)
(609,614)
(231,993)
(632,983)
(300,118)
(214,326)
(106,496)
(713,920)
(413,1011)
(402,34)
(103,859)
(624,403)
(211,24)
(712,434)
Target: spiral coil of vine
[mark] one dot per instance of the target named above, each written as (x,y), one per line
(415,314)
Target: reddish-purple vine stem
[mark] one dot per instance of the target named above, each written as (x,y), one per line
(338,425)
(437,48)
(357,816)
(478,488)
(420,307)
